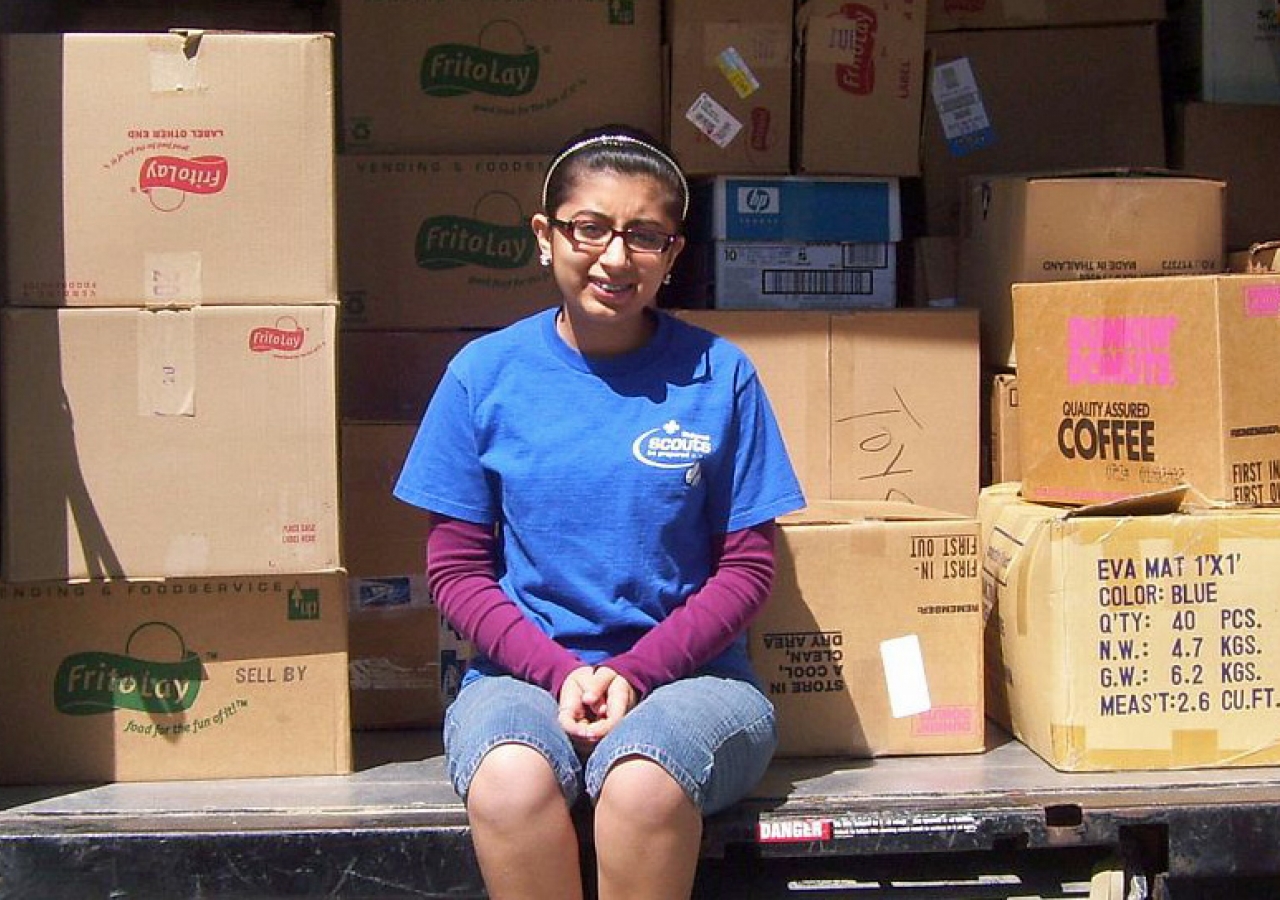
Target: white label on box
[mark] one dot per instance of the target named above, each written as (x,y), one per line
(172,279)
(739,74)
(166,363)
(904,675)
(713,120)
(960,109)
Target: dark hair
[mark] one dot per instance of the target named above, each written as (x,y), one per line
(614,148)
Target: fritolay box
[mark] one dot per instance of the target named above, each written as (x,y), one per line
(204,175)
(1134,636)
(242,676)
(439,242)
(796,208)
(871,642)
(148,442)
(491,76)
(1132,385)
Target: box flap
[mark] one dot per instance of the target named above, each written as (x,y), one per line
(827,512)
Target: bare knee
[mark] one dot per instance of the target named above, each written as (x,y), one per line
(639,791)
(514,784)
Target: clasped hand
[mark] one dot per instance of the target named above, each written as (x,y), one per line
(592,701)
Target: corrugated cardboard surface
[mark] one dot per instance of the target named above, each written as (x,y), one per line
(146,443)
(871,643)
(1134,384)
(873,404)
(1084,225)
(731,63)
(389,376)
(491,76)
(947,15)
(236,677)
(1054,97)
(439,241)
(861,87)
(204,175)
(1132,641)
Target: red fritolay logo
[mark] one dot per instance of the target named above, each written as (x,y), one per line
(167,180)
(858,40)
(285,337)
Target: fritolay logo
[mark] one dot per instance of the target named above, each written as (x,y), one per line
(451,70)
(155,674)
(671,446)
(168,180)
(858,76)
(452,241)
(285,338)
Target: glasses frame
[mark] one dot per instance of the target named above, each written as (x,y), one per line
(566,227)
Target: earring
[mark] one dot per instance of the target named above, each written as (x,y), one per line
(666,279)
(544,259)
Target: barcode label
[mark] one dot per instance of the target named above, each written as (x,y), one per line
(713,120)
(794,281)
(960,109)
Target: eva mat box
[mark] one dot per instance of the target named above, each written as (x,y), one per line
(204,175)
(1132,385)
(1134,636)
(169,679)
(871,643)
(491,76)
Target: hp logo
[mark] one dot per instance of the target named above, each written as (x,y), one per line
(758,200)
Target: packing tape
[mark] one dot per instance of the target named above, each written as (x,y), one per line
(166,362)
(173,62)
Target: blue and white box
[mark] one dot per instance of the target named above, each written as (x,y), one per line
(797,209)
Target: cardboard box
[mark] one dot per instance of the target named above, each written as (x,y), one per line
(406,663)
(491,76)
(439,241)
(949,15)
(730,94)
(758,275)
(1126,641)
(1232,142)
(871,642)
(146,443)
(1075,226)
(169,679)
(872,404)
(1258,259)
(389,376)
(934,268)
(861,73)
(204,176)
(795,208)
(1006,463)
(1093,94)
(1132,385)
(1225,51)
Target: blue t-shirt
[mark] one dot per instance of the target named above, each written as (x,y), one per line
(607,478)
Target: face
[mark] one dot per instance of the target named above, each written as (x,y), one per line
(607,289)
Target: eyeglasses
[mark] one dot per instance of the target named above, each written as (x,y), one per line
(591,233)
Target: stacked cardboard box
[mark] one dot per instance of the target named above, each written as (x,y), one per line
(174,594)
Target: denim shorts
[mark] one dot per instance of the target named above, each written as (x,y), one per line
(714,735)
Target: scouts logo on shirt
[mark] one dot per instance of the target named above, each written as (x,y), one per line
(671,446)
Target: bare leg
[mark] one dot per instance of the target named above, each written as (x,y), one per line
(521,827)
(647,834)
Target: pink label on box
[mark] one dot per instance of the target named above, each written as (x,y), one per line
(1263,300)
(1121,350)
(945,720)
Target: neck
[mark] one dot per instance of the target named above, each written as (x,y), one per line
(605,340)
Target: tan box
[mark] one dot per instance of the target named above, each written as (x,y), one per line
(1074,226)
(861,87)
(1233,142)
(1259,259)
(389,376)
(205,175)
(491,76)
(1128,641)
(871,643)
(730,91)
(1225,51)
(1093,95)
(439,241)
(935,271)
(873,404)
(145,443)
(170,679)
(1006,464)
(1132,385)
(406,663)
(948,15)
